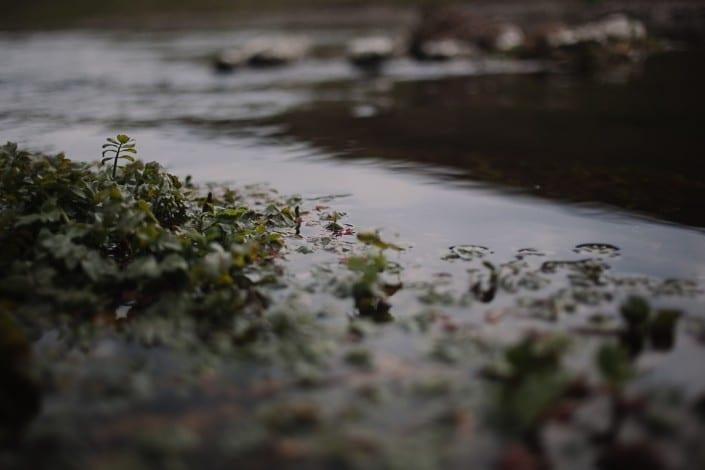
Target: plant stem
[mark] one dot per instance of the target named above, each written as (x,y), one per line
(117,154)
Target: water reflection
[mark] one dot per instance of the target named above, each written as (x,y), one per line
(392,141)
(629,144)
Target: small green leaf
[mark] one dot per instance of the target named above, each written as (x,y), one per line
(373,238)
(614,364)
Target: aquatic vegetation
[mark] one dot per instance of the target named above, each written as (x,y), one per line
(532,380)
(369,294)
(333,219)
(86,243)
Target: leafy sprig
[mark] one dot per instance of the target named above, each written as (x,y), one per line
(120,147)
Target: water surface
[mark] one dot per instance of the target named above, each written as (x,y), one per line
(491,157)
(441,154)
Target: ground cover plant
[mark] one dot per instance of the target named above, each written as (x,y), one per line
(147,322)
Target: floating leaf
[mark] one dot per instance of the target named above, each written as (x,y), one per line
(373,238)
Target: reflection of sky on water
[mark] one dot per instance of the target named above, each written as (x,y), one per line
(426,214)
(68,91)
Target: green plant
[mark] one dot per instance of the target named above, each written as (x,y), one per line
(531,382)
(614,365)
(83,242)
(120,147)
(370,292)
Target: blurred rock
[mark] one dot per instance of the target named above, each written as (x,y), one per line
(230,59)
(450,32)
(594,46)
(508,37)
(443,49)
(613,28)
(272,52)
(264,52)
(371,52)
(445,33)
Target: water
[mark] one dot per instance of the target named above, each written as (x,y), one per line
(438,154)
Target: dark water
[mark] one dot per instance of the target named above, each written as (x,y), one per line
(629,138)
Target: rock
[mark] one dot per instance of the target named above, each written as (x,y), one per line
(613,28)
(272,52)
(555,36)
(620,27)
(508,37)
(595,46)
(445,33)
(263,52)
(370,52)
(230,59)
(444,49)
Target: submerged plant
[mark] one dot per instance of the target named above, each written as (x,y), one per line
(120,147)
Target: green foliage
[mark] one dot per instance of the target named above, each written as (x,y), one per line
(332,220)
(614,364)
(536,355)
(531,381)
(120,147)
(369,291)
(78,239)
(662,329)
(373,239)
(635,311)
(642,324)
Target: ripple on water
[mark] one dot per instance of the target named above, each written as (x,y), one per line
(597,249)
(525,252)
